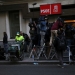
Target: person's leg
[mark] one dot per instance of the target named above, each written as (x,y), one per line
(68,41)
(39,39)
(42,38)
(60,57)
(6,51)
(25,46)
(6,48)
(55,33)
(32,42)
(51,38)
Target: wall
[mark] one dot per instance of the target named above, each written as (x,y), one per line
(39,2)
(24,24)
(2,24)
(52,18)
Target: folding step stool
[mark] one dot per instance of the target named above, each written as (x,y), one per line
(33,52)
(42,51)
(52,51)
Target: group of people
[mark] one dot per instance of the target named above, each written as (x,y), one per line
(20,38)
(43,32)
(39,31)
(23,37)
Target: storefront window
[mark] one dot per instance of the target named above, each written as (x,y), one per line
(14,23)
(71,22)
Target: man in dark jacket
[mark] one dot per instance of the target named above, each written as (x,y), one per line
(5,42)
(59,50)
(69,32)
(33,33)
(26,41)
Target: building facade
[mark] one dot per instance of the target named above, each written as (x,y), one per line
(15,15)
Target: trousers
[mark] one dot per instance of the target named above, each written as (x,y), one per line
(53,34)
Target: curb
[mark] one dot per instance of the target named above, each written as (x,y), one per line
(32,62)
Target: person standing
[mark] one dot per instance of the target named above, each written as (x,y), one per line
(20,41)
(5,42)
(26,42)
(33,33)
(60,46)
(69,32)
(43,28)
(56,25)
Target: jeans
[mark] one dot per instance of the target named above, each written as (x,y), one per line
(42,37)
(53,34)
(5,48)
(68,41)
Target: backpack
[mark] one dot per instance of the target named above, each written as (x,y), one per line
(61,43)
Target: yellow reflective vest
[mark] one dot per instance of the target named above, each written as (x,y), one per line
(19,38)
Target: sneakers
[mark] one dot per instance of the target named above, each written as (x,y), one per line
(6,56)
(62,67)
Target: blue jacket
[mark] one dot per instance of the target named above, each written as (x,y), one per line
(43,26)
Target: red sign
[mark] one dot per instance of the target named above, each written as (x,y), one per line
(45,9)
(48,9)
(56,8)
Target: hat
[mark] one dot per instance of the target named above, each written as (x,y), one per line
(17,33)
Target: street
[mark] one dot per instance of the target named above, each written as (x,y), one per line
(22,69)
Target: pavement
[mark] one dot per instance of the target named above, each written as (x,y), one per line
(28,60)
(32,61)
